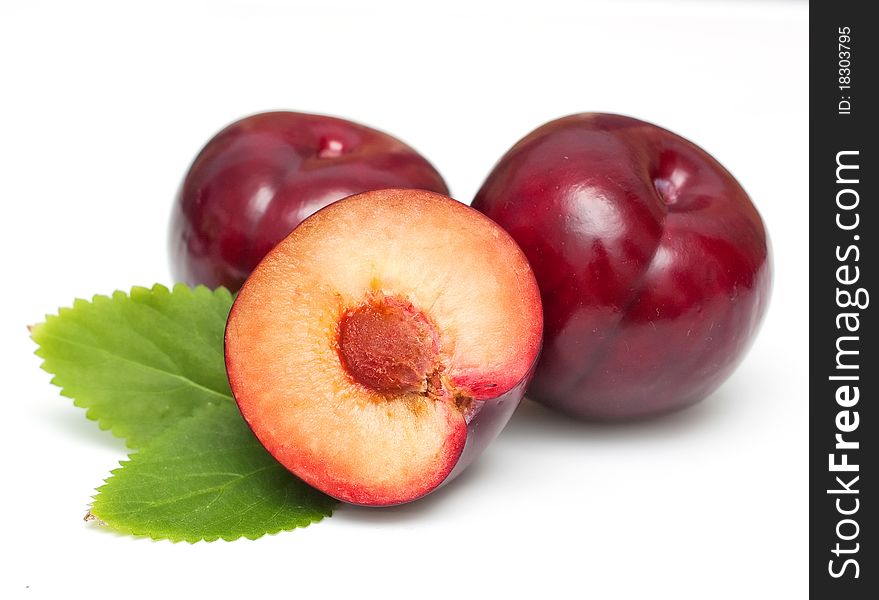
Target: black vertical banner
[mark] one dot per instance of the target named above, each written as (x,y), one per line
(844,260)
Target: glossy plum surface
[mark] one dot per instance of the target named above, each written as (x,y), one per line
(261,176)
(653,264)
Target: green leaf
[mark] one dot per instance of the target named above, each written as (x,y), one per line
(142,361)
(207,478)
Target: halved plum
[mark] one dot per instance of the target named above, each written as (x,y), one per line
(380,347)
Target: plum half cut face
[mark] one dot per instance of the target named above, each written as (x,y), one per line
(379,347)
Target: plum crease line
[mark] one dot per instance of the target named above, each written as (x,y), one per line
(636,294)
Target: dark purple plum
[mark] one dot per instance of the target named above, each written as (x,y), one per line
(261,176)
(653,264)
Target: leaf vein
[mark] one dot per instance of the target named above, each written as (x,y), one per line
(183,378)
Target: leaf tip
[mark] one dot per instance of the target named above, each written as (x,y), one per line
(34,329)
(90,516)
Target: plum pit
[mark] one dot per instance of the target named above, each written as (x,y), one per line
(388,345)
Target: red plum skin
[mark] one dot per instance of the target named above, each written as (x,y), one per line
(654,266)
(258,178)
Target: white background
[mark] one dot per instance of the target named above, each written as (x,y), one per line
(103,107)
